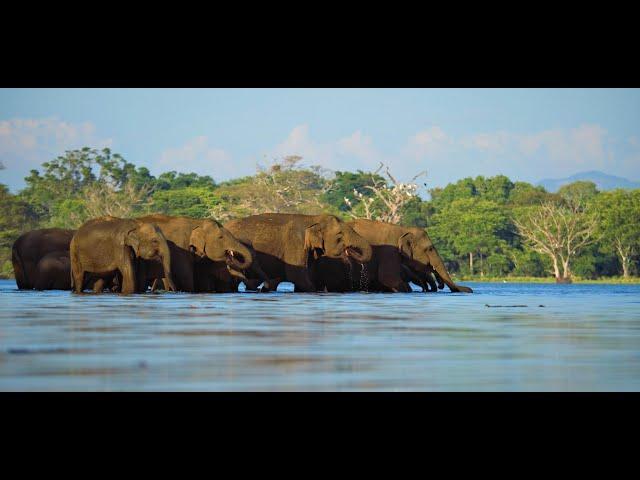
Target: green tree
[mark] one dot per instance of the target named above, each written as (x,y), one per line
(16,217)
(528,263)
(464,188)
(580,192)
(173,180)
(524,193)
(417,213)
(195,202)
(496,189)
(473,227)
(68,177)
(618,214)
(343,186)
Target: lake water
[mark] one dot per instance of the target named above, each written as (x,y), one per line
(585,337)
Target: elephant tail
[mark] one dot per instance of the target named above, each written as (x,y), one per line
(18,268)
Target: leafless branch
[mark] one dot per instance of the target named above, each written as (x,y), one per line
(559,231)
(390,199)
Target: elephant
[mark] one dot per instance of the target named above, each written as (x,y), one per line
(428,279)
(41,259)
(223,278)
(288,246)
(194,244)
(109,247)
(400,255)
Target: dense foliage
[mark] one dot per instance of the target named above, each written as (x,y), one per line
(481,226)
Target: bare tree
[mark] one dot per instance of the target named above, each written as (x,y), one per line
(559,231)
(285,186)
(104,199)
(387,200)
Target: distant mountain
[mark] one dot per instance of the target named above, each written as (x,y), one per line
(602,180)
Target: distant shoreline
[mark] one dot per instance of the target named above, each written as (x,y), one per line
(576,280)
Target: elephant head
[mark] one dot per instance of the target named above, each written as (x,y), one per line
(333,238)
(419,253)
(147,242)
(212,240)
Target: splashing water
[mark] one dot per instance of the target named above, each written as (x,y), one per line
(364,278)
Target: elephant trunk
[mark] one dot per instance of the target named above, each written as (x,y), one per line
(358,248)
(239,257)
(438,266)
(235,273)
(165,258)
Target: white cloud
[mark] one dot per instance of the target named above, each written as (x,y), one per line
(351,152)
(25,143)
(428,142)
(495,142)
(547,153)
(358,145)
(298,142)
(581,145)
(25,137)
(196,155)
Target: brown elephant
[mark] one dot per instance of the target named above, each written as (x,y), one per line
(288,246)
(39,261)
(193,242)
(109,247)
(400,255)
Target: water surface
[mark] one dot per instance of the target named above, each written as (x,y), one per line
(583,338)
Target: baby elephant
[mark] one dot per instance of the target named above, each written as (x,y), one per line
(108,246)
(54,272)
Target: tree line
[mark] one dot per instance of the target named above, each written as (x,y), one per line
(483,226)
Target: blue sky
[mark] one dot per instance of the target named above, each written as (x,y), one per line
(527,134)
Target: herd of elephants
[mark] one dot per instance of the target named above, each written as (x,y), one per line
(314,252)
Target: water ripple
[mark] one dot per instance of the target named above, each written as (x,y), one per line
(587,337)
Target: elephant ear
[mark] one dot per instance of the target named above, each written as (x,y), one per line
(197,241)
(405,244)
(133,240)
(313,237)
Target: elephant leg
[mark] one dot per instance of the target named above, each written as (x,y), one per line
(116,282)
(392,274)
(77,277)
(432,282)
(129,282)
(185,276)
(438,280)
(42,283)
(300,279)
(271,284)
(98,286)
(186,285)
(256,271)
(413,277)
(142,275)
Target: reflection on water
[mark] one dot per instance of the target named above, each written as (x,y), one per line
(503,337)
